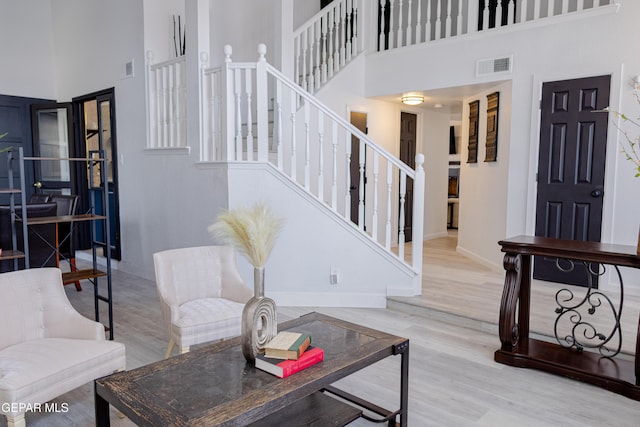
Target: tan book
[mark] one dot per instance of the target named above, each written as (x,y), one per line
(287,345)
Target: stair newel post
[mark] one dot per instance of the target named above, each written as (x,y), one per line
(228,112)
(418,215)
(262,104)
(151,128)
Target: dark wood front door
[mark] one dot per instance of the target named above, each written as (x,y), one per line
(408,122)
(571,168)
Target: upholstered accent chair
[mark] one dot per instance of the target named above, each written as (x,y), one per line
(201,294)
(47,348)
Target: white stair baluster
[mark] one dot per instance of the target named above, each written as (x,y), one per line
(307,146)
(438,34)
(537,9)
(448,20)
(248,92)
(403,195)
(293,136)
(391,28)
(336,39)
(297,76)
(347,187)
(363,153)
(511,12)
(316,47)
(550,5)
(409,31)
(237,75)
(324,50)
(499,13)
(334,169)
(277,132)
(381,36)
(485,16)
(400,30)
(387,233)
(523,10)
(580,5)
(355,41)
(418,23)
(427,23)
(320,156)
(565,7)
(459,19)
(341,7)
(303,61)
(349,26)
(374,220)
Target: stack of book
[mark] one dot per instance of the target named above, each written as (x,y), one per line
(288,353)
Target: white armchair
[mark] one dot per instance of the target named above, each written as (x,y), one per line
(201,294)
(47,348)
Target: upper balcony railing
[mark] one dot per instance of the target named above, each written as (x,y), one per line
(326,43)
(409,22)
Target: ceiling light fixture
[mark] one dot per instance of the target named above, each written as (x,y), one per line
(412,99)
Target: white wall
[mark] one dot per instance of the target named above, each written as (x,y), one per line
(26,49)
(312,242)
(483,185)
(571,48)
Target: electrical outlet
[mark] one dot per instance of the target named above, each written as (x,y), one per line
(334,277)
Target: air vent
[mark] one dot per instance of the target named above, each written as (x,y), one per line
(485,67)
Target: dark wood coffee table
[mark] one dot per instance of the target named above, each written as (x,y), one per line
(214,385)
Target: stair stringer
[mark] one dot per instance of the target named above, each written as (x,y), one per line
(314,241)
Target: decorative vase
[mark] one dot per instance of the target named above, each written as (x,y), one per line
(259,321)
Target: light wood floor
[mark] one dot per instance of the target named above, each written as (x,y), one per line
(453,378)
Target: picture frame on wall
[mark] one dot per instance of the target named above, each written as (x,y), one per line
(491,144)
(472,147)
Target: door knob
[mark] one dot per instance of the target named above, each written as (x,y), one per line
(597,193)
(37,184)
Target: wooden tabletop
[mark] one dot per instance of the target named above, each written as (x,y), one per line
(606,253)
(214,385)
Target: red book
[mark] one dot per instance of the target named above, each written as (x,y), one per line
(283,368)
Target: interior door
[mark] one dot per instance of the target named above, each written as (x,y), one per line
(571,167)
(408,123)
(52,129)
(15,121)
(97,130)
(359,120)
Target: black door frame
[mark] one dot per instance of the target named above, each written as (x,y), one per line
(81,169)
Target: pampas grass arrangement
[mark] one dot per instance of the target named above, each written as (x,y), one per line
(253,231)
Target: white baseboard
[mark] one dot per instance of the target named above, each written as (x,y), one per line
(86,256)
(479,259)
(306,299)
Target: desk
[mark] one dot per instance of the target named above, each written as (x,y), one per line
(56,220)
(573,358)
(214,385)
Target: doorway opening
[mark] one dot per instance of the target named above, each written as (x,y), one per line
(96,131)
(358,175)
(408,126)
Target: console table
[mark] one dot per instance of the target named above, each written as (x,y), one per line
(215,386)
(584,353)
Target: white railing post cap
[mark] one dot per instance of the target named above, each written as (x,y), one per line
(227,52)
(419,158)
(262,51)
(149,56)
